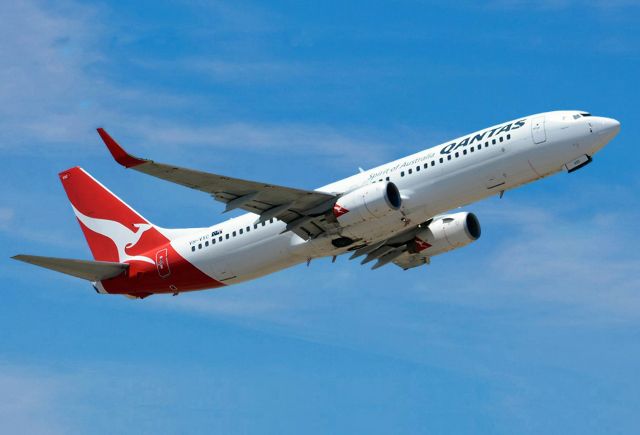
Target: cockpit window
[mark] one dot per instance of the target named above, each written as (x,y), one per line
(576,116)
(585,114)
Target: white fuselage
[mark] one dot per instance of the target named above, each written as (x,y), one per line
(431,182)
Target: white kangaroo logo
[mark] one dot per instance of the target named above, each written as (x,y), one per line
(120,235)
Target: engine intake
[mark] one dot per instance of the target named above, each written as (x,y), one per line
(445,233)
(368,202)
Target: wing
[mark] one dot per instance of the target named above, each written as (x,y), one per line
(302,210)
(85,269)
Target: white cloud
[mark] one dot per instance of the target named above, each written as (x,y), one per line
(546,5)
(55,92)
(6,217)
(43,61)
(359,147)
(219,305)
(28,402)
(245,71)
(588,261)
(557,254)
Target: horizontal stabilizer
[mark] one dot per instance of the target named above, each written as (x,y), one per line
(85,269)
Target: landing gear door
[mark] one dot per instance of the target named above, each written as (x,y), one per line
(537,130)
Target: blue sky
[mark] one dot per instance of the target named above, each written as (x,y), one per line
(533,329)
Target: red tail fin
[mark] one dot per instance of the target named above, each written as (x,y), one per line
(114,231)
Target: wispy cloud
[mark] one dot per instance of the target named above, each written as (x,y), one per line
(44,58)
(221,305)
(587,261)
(28,402)
(245,71)
(562,4)
(352,146)
(54,93)
(6,217)
(563,256)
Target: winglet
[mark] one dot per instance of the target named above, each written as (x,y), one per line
(118,153)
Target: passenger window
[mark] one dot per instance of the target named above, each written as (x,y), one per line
(493,141)
(263,223)
(271,220)
(226,236)
(449,157)
(486,144)
(501,139)
(508,136)
(206,243)
(457,155)
(472,149)
(426,165)
(220,239)
(410,171)
(240,230)
(402,174)
(433,162)
(387,178)
(255,226)
(464,152)
(213,241)
(193,248)
(234,234)
(199,245)
(479,146)
(441,160)
(417,168)
(248,229)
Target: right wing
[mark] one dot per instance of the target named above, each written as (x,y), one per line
(399,250)
(85,269)
(302,210)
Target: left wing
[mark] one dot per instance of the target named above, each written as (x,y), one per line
(302,210)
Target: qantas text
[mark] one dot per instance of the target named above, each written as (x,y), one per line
(481,136)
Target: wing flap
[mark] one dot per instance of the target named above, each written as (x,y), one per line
(394,250)
(409,261)
(85,269)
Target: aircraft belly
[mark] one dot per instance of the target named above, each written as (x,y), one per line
(266,256)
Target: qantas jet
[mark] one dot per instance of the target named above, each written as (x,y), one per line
(397,213)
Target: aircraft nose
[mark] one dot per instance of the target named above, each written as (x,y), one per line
(609,128)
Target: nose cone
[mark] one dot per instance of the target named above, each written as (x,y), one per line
(609,128)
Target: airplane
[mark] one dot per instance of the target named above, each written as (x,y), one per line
(397,213)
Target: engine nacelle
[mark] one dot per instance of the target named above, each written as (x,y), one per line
(445,233)
(372,201)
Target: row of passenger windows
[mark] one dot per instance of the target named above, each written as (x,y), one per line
(456,155)
(227,236)
(402,174)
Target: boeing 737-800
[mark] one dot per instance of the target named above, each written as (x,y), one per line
(397,213)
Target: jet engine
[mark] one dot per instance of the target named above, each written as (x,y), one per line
(372,201)
(446,232)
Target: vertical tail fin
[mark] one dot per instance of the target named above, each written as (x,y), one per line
(114,231)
